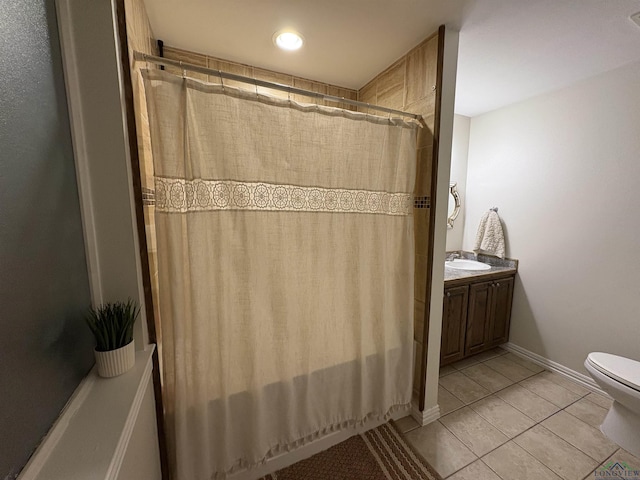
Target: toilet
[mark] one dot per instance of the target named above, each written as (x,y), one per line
(620,378)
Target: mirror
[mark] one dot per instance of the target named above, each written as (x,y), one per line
(454,204)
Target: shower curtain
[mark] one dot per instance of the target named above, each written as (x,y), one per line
(285,256)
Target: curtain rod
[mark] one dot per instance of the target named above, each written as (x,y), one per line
(262,83)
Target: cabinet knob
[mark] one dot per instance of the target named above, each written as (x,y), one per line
(448,294)
(498,284)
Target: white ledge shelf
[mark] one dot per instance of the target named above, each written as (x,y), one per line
(90,438)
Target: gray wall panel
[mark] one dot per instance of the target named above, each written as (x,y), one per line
(45,348)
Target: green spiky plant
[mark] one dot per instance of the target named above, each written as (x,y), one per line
(112,324)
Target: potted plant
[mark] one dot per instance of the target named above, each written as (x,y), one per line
(112,326)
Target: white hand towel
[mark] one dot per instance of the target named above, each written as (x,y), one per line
(490,237)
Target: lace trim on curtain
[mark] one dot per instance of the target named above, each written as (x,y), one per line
(182,196)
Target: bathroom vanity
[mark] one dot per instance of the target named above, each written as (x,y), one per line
(477,307)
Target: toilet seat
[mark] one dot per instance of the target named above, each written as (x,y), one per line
(623,370)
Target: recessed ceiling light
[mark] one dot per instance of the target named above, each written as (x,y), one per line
(288,40)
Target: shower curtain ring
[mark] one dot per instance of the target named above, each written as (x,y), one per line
(184,72)
(256,85)
(221,82)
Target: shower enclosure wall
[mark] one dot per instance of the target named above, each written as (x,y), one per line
(408,84)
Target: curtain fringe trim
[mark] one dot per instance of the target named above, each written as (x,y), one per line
(244,464)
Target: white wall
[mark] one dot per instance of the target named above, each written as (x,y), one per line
(142,456)
(95,93)
(459,155)
(449,68)
(564,170)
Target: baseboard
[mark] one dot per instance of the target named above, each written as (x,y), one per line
(289,458)
(425,417)
(583,380)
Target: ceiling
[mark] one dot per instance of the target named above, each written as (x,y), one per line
(509,50)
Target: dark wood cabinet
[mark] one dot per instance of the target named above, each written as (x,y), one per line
(476,317)
(454,317)
(479,317)
(501,312)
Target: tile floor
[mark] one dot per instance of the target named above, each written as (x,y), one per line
(504,417)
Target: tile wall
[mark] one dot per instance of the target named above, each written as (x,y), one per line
(140,38)
(409,84)
(259,74)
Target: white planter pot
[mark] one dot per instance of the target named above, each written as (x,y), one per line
(116,362)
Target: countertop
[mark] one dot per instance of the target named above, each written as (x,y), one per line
(499,267)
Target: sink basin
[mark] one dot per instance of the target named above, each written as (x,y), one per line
(464,264)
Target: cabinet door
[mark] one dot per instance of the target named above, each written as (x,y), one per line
(479,318)
(454,318)
(501,316)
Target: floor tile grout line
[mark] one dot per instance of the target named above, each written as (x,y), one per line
(450,392)
(569,442)
(578,418)
(524,449)
(581,396)
(461,441)
(505,352)
(485,397)
(513,439)
(468,376)
(463,444)
(517,364)
(560,385)
(465,403)
(496,426)
(481,461)
(532,374)
(600,464)
(489,467)
(555,404)
(592,403)
(572,403)
(524,413)
(494,393)
(558,436)
(514,406)
(411,429)
(523,366)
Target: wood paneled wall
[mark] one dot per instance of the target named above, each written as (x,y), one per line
(139,37)
(260,74)
(409,84)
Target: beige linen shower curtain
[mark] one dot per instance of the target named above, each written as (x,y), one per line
(285,256)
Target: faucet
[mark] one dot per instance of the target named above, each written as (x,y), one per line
(452,256)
